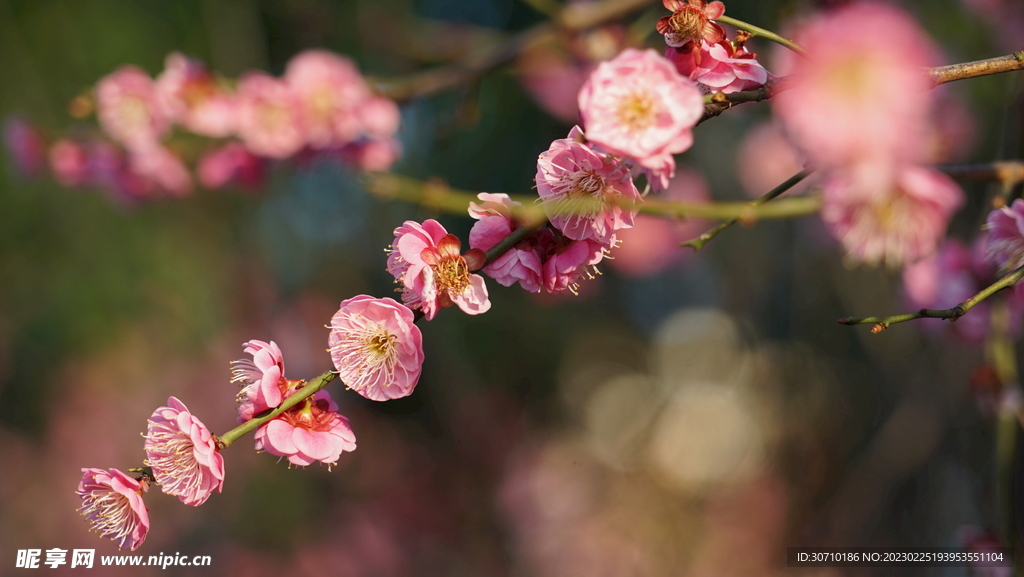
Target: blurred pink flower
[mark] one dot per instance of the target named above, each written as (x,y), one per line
(372,154)
(841,108)
(720,67)
(376,347)
(379,116)
(230,164)
(112,505)
(69,162)
(519,264)
(310,431)
(330,92)
(193,99)
(901,223)
(691,21)
(270,118)
(652,245)
(25,146)
(1006,235)
(260,378)
(129,108)
(427,261)
(584,192)
(766,159)
(162,168)
(567,261)
(637,105)
(183,454)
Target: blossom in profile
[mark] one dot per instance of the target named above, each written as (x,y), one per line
(329,93)
(521,263)
(720,67)
(310,431)
(69,162)
(376,347)
(427,261)
(194,99)
(231,164)
(851,100)
(112,505)
(586,194)
(1006,235)
(638,106)
(567,261)
(129,109)
(161,167)
(260,377)
(691,21)
(26,147)
(183,454)
(270,118)
(902,223)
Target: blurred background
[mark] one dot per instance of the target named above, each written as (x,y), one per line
(686,414)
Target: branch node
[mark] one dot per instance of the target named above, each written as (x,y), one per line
(879,327)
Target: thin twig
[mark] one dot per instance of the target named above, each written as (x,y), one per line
(1009,63)
(766,34)
(699,242)
(882,323)
(719,102)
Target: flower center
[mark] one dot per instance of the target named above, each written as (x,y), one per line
(688,23)
(637,111)
(310,415)
(452,274)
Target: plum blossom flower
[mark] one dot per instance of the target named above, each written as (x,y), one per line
(372,154)
(112,505)
(69,162)
(840,107)
(638,106)
(183,454)
(376,347)
(427,261)
(521,263)
(691,21)
(721,67)
(329,92)
(1006,235)
(310,431)
(584,191)
(270,119)
(902,223)
(567,261)
(193,99)
(260,377)
(25,145)
(230,164)
(129,109)
(161,167)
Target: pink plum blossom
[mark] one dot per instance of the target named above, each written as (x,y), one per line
(1006,235)
(521,263)
(379,116)
(270,118)
(69,162)
(230,164)
(584,192)
(376,347)
(720,68)
(840,107)
(162,168)
(329,92)
(112,505)
(426,260)
(25,145)
(129,108)
(193,98)
(638,106)
(568,261)
(183,454)
(260,377)
(901,223)
(691,21)
(310,431)
(372,154)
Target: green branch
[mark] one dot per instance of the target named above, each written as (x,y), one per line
(766,34)
(252,424)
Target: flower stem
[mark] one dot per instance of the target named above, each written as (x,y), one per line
(766,34)
(882,323)
(300,395)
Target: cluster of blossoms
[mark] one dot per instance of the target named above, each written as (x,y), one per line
(321,106)
(377,351)
(863,118)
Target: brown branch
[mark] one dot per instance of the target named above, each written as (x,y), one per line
(720,102)
(1009,63)
(1008,172)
